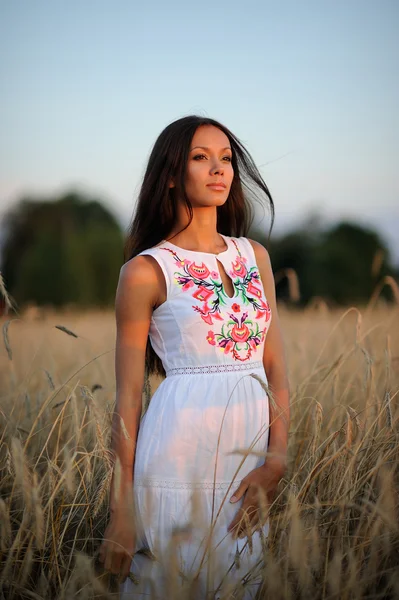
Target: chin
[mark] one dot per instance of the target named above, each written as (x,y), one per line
(216,200)
(216,203)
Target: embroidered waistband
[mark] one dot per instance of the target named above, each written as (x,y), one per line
(209,369)
(186,485)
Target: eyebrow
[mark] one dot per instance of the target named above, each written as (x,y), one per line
(206,148)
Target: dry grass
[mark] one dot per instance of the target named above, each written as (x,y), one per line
(334,524)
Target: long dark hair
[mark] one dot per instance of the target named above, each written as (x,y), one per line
(156,210)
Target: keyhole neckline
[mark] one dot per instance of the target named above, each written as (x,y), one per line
(225,237)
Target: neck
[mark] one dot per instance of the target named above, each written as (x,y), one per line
(201,234)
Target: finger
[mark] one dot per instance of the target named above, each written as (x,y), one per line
(233,528)
(247,504)
(125,566)
(259,519)
(264,502)
(245,528)
(117,562)
(240,491)
(254,513)
(236,520)
(249,518)
(239,527)
(112,560)
(232,525)
(253,521)
(254,525)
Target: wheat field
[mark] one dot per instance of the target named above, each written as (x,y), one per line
(334,527)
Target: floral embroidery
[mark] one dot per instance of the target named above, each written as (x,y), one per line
(244,281)
(211,337)
(240,335)
(239,332)
(208,285)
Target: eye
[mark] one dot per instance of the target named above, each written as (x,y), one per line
(198,156)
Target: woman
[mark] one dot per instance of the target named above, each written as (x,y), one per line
(193,480)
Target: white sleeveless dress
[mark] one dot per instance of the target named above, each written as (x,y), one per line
(208,406)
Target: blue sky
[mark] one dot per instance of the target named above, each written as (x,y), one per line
(310,87)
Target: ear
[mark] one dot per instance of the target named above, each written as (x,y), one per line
(171,183)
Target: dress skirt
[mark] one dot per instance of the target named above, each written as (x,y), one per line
(202,433)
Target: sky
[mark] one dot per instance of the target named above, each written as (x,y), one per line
(310,87)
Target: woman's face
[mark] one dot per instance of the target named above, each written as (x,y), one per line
(209,162)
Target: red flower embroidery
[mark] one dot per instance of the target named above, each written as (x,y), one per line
(263,311)
(202,293)
(240,334)
(239,268)
(236,307)
(252,343)
(218,316)
(228,347)
(207,319)
(211,338)
(241,337)
(199,271)
(187,285)
(252,289)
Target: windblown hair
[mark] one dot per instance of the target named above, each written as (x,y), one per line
(157,205)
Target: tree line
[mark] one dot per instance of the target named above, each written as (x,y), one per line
(69,251)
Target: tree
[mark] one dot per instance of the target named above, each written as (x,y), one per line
(342,263)
(67,250)
(346,256)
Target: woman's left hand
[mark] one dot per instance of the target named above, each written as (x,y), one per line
(266,478)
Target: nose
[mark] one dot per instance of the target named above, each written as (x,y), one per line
(217,169)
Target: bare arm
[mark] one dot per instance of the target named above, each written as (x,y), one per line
(137,293)
(140,284)
(274,360)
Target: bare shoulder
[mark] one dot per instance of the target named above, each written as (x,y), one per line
(261,254)
(137,269)
(263,262)
(138,283)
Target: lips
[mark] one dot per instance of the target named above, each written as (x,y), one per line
(217,184)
